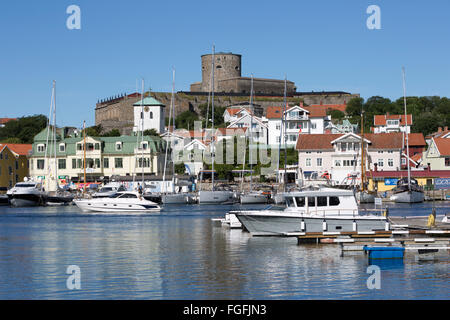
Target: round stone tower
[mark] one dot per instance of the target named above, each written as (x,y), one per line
(227,65)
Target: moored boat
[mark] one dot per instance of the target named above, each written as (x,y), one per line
(324,210)
(26,194)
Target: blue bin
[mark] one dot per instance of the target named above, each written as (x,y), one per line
(385,252)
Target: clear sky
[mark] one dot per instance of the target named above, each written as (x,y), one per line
(320,45)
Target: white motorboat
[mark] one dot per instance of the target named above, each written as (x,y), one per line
(26,194)
(324,210)
(109,190)
(121,202)
(177,198)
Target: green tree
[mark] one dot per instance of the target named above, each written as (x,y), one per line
(94,131)
(151,132)
(112,133)
(23,129)
(186,120)
(180,168)
(354,107)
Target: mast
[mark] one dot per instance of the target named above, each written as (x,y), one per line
(84,156)
(173,129)
(54,134)
(285,135)
(406,129)
(363,164)
(212,125)
(251,136)
(167,146)
(142,134)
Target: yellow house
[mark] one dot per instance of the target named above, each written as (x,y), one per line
(14,165)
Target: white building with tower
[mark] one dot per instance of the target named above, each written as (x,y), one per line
(149,113)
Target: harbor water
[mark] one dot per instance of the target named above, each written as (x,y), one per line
(179,254)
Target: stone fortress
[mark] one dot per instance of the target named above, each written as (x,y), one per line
(230,88)
(228,78)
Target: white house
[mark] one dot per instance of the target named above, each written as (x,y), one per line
(257,129)
(438,154)
(299,120)
(340,154)
(392,123)
(149,113)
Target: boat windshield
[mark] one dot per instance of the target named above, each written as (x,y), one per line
(115,195)
(25,185)
(106,189)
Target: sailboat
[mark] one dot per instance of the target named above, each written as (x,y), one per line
(363,195)
(173,197)
(54,195)
(407,190)
(252,196)
(214,196)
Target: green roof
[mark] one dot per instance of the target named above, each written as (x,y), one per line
(148,101)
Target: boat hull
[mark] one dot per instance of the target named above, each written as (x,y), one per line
(177,198)
(87,205)
(253,198)
(408,197)
(215,197)
(26,200)
(283,225)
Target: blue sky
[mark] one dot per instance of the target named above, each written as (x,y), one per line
(320,45)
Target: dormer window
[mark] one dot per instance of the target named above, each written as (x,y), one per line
(118,146)
(41,148)
(62,147)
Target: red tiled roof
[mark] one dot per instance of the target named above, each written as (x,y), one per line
(416,139)
(443,145)
(235,110)
(20,149)
(380,120)
(275,112)
(323,141)
(340,107)
(5,120)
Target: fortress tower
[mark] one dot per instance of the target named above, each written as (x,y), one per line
(228,77)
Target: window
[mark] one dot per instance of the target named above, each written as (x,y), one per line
(343,146)
(278,127)
(106,163)
(380,162)
(321,201)
(308,162)
(311,202)
(79,147)
(391,162)
(118,146)
(10,169)
(151,115)
(142,115)
(300,201)
(319,162)
(97,163)
(40,164)
(62,147)
(313,125)
(289,201)
(337,163)
(334,201)
(17,165)
(74,163)
(447,161)
(61,163)
(97,146)
(41,148)
(118,162)
(79,163)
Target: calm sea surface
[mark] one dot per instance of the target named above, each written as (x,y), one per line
(179,254)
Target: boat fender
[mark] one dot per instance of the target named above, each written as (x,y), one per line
(302,225)
(354,226)
(324,225)
(431,221)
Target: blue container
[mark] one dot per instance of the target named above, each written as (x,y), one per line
(385,252)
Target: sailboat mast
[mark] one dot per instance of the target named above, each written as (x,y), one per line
(84,156)
(285,135)
(142,133)
(250,142)
(54,133)
(173,128)
(212,125)
(363,164)
(406,129)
